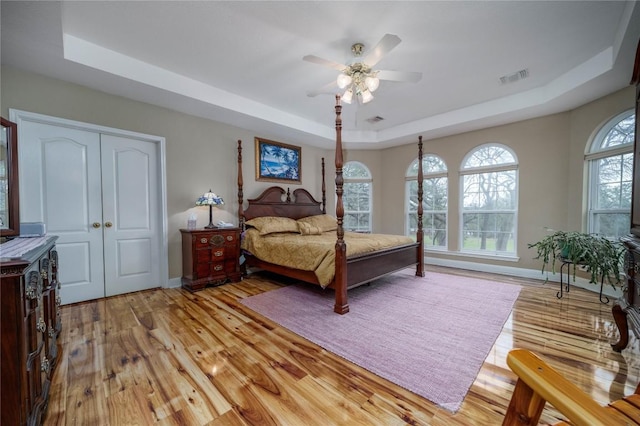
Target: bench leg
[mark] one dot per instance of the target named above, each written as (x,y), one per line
(620,317)
(525,407)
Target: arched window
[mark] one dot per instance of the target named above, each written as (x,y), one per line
(610,163)
(357,197)
(489,199)
(434,201)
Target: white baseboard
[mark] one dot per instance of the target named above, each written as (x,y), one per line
(175,282)
(523,273)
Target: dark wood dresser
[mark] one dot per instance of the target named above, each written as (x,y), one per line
(210,257)
(30,323)
(626,311)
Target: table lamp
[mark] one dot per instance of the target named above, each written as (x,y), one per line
(209,199)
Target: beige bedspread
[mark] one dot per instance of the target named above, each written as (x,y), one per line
(314,252)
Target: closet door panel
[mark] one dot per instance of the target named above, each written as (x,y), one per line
(131,214)
(60,185)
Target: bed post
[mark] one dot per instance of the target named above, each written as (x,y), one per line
(340,280)
(420,232)
(240,194)
(324,191)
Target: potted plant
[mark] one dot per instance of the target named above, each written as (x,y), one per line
(600,256)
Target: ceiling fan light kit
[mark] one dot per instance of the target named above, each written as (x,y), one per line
(360,80)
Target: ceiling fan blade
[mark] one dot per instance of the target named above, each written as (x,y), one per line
(327,89)
(384,46)
(324,62)
(410,76)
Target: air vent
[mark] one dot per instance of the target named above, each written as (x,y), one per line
(375,119)
(512,78)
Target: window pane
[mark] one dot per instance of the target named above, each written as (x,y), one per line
(614,182)
(612,224)
(621,134)
(490,191)
(353,169)
(357,200)
(490,155)
(430,164)
(433,226)
(489,232)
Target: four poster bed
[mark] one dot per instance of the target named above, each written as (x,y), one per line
(295,237)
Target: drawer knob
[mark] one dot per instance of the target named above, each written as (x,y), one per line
(218,253)
(229,237)
(33,289)
(203,240)
(41,326)
(44,367)
(218,267)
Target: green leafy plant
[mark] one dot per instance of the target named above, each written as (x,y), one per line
(601,257)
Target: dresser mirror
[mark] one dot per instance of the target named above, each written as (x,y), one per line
(9,201)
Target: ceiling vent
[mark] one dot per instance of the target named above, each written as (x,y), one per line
(512,78)
(375,119)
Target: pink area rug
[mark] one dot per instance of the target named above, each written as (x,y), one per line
(429,335)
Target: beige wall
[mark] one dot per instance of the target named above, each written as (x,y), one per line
(202,153)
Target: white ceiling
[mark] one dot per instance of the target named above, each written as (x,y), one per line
(240,62)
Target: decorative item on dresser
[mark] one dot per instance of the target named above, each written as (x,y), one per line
(626,310)
(30,323)
(210,257)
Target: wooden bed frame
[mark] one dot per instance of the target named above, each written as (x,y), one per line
(349,271)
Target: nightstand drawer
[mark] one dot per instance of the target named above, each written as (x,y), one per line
(210,255)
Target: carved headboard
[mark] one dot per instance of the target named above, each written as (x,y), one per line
(273,202)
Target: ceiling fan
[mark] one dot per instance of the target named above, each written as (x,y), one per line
(359,79)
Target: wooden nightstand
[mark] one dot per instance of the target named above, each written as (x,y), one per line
(210,257)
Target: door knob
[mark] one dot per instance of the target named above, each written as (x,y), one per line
(96,224)
(108,224)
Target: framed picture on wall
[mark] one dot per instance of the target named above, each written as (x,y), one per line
(278,162)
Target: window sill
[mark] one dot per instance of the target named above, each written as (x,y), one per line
(476,255)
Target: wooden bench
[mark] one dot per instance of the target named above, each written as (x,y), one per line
(538,384)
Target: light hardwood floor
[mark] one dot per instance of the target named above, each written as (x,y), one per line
(170,357)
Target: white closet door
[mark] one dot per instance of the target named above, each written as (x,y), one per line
(101,195)
(130,214)
(60,185)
